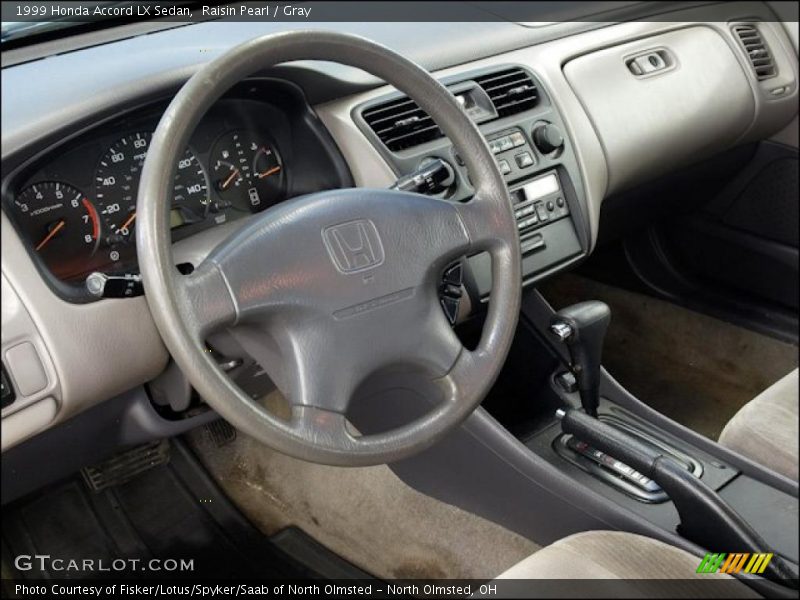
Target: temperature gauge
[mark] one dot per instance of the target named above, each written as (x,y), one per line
(247,170)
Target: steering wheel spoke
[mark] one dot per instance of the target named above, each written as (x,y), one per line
(205,300)
(486,225)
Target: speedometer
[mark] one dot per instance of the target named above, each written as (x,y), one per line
(117,183)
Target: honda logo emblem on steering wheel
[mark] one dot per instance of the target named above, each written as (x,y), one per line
(354,246)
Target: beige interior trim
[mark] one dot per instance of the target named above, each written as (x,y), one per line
(92,352)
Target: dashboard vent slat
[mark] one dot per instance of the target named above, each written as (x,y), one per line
(511,90)
(400,123)
(757,51)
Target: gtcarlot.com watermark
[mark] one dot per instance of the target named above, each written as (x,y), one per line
(46,562)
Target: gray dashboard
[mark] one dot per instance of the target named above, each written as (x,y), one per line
(105,334)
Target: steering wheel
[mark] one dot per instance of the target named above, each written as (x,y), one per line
(334,288)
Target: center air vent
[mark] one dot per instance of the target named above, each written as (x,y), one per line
(511,90)
(757,51)
(401,124)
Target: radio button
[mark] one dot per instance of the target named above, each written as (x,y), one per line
(517,139)
(524,160)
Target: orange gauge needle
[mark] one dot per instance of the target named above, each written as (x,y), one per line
(230,178)
(127,222)
(59,226)
(269,172)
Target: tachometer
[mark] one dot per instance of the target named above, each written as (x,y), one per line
(62,224)
(247,170)
(117,183)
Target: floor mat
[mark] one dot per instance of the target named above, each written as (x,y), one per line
(695,369)
(366,515)
(173,511)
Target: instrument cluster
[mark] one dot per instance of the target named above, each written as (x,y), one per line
(77,210)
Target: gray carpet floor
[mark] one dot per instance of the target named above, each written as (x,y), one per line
(366,515)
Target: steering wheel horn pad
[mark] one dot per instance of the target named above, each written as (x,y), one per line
(328,289)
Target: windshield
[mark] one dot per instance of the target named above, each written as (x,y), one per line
(36,26)
(17,30)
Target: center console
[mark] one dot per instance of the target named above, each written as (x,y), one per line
(527,136)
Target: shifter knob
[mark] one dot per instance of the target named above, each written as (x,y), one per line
(582,327)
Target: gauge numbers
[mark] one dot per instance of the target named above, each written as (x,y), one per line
(117,183)
(62,224)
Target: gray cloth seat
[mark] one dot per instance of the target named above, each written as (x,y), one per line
(622,555)
(766,428)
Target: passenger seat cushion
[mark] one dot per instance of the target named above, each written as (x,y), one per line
(766,428)
(613,555)
(607,555)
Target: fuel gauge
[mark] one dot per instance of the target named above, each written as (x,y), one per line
(247,170)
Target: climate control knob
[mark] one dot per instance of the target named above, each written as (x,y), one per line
(548,138)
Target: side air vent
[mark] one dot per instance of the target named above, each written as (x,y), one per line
(401,124)
(511,91)
(757,51)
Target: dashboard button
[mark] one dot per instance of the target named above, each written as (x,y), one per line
(524,160)
(450,307)
(541,212)
(505,168)
(26,368)
(454,275)
(517,139)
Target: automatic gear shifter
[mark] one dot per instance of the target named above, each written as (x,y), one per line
(582,327)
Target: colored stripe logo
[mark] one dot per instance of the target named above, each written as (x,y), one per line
(734,562)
